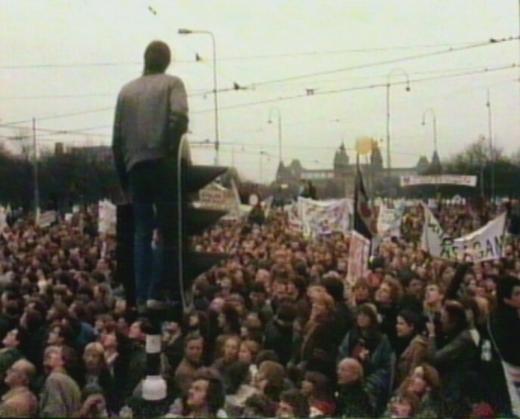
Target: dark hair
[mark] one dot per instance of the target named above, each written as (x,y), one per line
(259,405)
(156,57)
(321,384)
(297,401)
(457,315)
(334,287)
(413,319)
(505,287)
(235,375)
(215,395)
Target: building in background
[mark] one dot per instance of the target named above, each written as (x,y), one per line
(339,180)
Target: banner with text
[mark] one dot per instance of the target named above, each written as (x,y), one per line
(320,218)
(460,180)
(215,196)
(389,221)
(486,243)
(358,254)
(106,217)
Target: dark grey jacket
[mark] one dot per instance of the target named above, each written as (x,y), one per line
(146,109)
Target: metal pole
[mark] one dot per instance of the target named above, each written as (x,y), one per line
(261,168)
(491,151)
(434,132)
(280,136)
(35,174)
(388,163)
(215,96)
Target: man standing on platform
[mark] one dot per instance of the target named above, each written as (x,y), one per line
(151,116)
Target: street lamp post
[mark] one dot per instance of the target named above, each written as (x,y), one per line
(270,121)
(185,31)
(491,151)
(434,118)
(388,85)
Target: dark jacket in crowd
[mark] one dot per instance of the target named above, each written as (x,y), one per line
(353,401)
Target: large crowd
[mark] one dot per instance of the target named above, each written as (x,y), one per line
(275,330)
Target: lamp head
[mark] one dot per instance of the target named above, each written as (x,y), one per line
(270,121)
(408,88)
(184,31)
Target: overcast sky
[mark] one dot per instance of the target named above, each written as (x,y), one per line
(45,46)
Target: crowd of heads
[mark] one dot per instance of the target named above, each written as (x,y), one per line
(275,330)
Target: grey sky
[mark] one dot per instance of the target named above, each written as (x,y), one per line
(265,40)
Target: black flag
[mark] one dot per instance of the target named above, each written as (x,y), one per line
(364,220)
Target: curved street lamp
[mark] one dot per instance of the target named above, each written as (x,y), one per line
(184,31)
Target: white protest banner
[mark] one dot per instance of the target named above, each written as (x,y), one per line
(267,204)
(484,244)
(389,221)
(358,254)
(106,217)
(324,217)
(3,218)
(47,218)
(215,196)
(417,180)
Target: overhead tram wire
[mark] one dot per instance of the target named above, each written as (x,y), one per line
(450,50)
(286,98)
(359,88)
(236,58)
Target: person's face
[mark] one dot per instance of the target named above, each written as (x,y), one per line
(417,384)
(197,394)
(54,336)
(109,340)
(135,331)
(257,299)
(514,301)
(260,381)
(363,321)
(245,355)
(347,373)
(415,288)
(403,328)
(384,294)
(433,294)
(92,360)
(231,349)
(307,388)
(14,375)
(52,359)
(194,350)
(401,408)
(361,294)
(285,410)
(11,339)
(318,309)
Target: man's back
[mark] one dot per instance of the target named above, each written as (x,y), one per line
(145,109)
(61,396)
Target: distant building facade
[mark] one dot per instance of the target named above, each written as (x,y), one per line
(340,179)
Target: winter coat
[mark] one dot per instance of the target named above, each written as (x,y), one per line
(414,354)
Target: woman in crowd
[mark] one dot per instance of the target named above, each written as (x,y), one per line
(366,343)
(411,345)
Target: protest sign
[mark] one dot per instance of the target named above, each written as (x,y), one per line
(359,251)
(418,180)
(486,243)
(324,217)
(107,217)
(389,221)
(215,196)
(47,218)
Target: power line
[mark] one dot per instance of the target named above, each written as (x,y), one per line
(235,58)
(315,92)
(390,61)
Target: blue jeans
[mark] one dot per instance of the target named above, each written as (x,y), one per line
(152,189)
